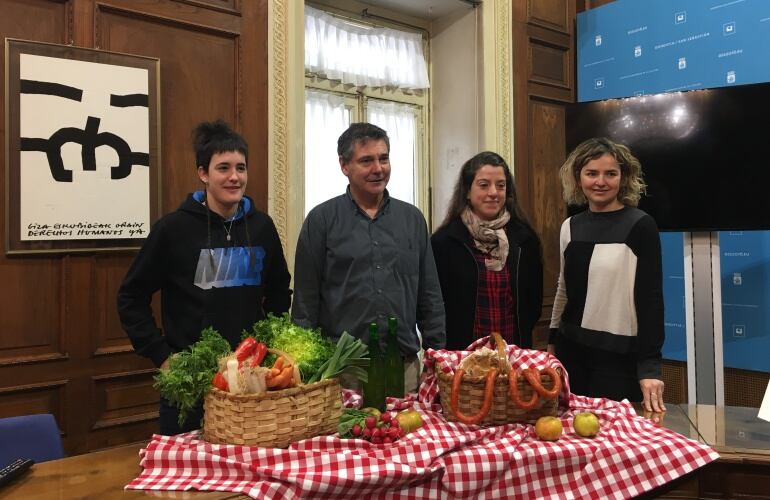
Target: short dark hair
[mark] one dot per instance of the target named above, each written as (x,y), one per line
(210,138)
(359,133)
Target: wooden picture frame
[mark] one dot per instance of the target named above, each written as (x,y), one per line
(82,149)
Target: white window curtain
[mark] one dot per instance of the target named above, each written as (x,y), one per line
(399,121)
(326,117)
(374,57)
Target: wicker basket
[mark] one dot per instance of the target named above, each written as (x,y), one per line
(274,419)
(503,410)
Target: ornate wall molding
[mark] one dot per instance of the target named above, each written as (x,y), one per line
(278,119)
(503,77)
(286,124)
(498,94)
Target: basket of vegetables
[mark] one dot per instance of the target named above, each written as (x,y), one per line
(279,386)
(485,390)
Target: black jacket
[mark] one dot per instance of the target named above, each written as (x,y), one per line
(458,275)
(227,284)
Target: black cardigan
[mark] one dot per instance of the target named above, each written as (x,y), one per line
(458,275)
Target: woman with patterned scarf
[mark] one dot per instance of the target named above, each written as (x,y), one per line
(488,258)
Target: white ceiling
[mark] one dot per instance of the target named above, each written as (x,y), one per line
(422,9)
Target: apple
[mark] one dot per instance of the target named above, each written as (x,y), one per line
(586,424)
(409,420)
(548,428)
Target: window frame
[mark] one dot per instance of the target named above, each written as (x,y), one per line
(419,98)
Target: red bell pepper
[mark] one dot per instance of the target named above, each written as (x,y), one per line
(220,382)
(245,349)
(259,355)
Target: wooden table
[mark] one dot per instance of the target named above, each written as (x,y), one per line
(99,475)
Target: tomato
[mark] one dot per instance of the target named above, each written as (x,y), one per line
(219,382)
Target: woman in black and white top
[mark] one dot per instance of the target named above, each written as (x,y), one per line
(607,321)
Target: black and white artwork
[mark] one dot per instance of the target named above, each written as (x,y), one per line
(84,141)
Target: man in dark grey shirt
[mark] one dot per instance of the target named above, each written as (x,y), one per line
(364,256)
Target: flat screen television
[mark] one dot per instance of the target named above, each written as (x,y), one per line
(705,154)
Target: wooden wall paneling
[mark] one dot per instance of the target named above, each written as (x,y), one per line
(40,20)
(119,395)
(549,60)
(552,14)
(546,122)
(108,337)
(62,349)
(27,399)
(231,6)
(252,98)
(191,42)
(592,4)
(31,309)
(124,405)
(543,83)
(198,64)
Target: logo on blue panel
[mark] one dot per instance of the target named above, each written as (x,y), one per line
(599,83)
(639,93)
(598,40)
(739,331)
(731,77)
(728,28)
(638,51)
(737,279)
(682,64)
(680,17)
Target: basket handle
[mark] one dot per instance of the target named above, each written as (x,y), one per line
(486,405)
(502,352)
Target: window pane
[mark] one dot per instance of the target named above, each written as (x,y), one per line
(399,121)
(326,117)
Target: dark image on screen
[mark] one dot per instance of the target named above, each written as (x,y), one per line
(705,154)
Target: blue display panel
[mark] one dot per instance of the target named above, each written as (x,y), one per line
(672,249)
(745,268)
(639,47)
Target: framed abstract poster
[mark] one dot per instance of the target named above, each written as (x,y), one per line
(82,152)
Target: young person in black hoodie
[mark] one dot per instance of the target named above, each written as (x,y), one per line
(216,260)
(488,258)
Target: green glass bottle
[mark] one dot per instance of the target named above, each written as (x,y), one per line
(374,388)
(394,363)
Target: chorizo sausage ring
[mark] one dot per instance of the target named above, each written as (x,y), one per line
(533,377)
(513,391)
(486,405)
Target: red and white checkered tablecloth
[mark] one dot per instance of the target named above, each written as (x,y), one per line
(630,455)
